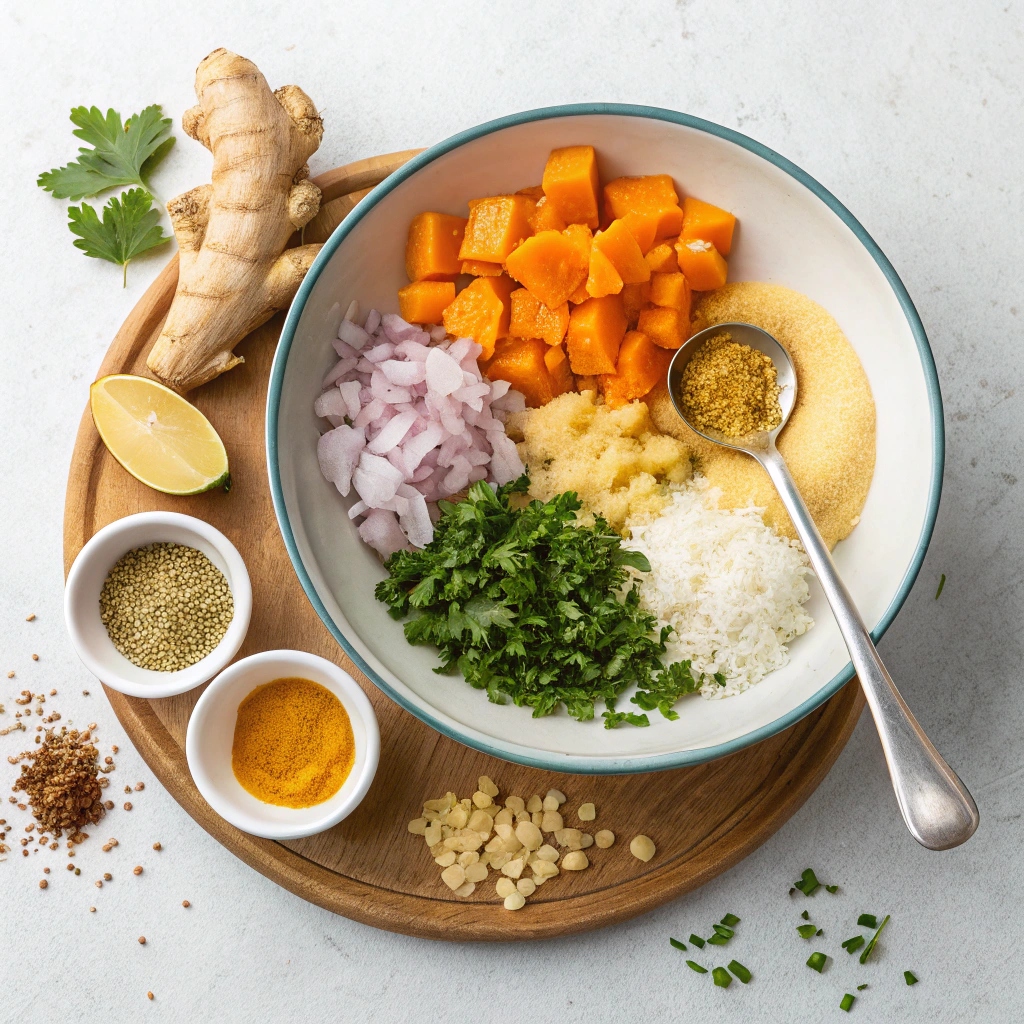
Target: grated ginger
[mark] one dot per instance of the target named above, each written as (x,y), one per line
(616,460)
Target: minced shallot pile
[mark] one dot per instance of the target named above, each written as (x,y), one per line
(732,589)
(413,422)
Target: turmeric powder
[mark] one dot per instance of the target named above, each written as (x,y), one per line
(293,744)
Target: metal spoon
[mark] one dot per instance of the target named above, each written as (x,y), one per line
(938,809)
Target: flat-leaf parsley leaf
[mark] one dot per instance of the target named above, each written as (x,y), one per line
(528,604)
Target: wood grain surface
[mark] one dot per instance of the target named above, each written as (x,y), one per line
(369,868)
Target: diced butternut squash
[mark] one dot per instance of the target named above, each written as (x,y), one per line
(704,266)
(635,298)
(480,268)
(424,302)
(652,193)
(552,264)
(496,226)
(557,363)
(671,290)
(521,363)
(621,248)
(534,192)
(662,259)
(571,183)
(580,295)
(481,311)
(713,224)
(603,279)
(643,227)
(641,366)
(532,319)
(546,218)
(665,327)
(432,251)
(596,329)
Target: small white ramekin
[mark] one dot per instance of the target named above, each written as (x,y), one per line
(85,581)
(211,731)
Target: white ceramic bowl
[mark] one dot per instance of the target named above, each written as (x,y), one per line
(211,730)
(791,231)
(85,581)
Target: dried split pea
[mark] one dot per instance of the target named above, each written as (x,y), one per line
(527,886)
(550,803)
(642,848)
(466,889)
(575,860)
(558,795)
(529,835)
(515,901)
(505,887)
(534,804)
(515,804)
(418,826)
(485,785)
(604,838)
(551,822)
(481,800)
(446,859)
(476,872)
(453,876)
(587,812)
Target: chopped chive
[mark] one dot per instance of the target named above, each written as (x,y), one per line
(676,943)
(832,888)
(720,678)
(697,941)
(874,938)
(910,977)
(808,882)
(852,945)
(740,971)
(820,931)
(942,583)
(867,921)
(717,940)
(806,931)
(722,977)
(806,915)
(847,1003)
(696,967)
(721,929)
(860,988)
(816,961)
(730,920)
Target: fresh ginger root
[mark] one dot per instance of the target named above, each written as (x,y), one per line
(234,272)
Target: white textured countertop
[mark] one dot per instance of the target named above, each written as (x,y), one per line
(914,121)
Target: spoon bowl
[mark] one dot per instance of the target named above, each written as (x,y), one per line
(935,804)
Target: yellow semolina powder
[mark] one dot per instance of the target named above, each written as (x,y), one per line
(615,460)
(829,441)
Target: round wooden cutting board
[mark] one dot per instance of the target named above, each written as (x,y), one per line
(369,868)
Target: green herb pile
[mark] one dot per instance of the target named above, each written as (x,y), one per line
(530,605)
(118,155)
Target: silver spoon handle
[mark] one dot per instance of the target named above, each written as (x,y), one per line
(938,809)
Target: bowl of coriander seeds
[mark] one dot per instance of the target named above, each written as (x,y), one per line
(157,603)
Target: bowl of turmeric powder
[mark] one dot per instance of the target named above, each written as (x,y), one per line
(283,744)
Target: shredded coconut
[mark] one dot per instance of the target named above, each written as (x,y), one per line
(730,587)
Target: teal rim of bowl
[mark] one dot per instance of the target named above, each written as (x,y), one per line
(600,765)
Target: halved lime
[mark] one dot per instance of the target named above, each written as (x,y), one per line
(159,437)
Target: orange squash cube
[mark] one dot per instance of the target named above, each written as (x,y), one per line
(705,268)
(432,251)
(665,327)
(580,295)
(621,248)
(496,226)
(635,298)
(603,279)
(521,363)
(551,264)
(643,227)
(596,329)
(671,290)
(641,366)
(545,217)
(571,183)
(424,302)
(480,268)
(532,319)
(713,224)
(481,311)
(662,259)
(557,363)
(534,192)
(652,193)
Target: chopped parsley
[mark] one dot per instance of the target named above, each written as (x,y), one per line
(851,945)
(909,977)
(530,605)
(874,938)
(722,977)
(808,882)
(806,931)
(816,961)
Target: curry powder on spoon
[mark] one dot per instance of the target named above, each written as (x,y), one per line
(293,744)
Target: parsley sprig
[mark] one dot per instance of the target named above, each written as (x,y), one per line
(530,605)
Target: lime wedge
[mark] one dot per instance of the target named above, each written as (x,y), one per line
(160,438)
